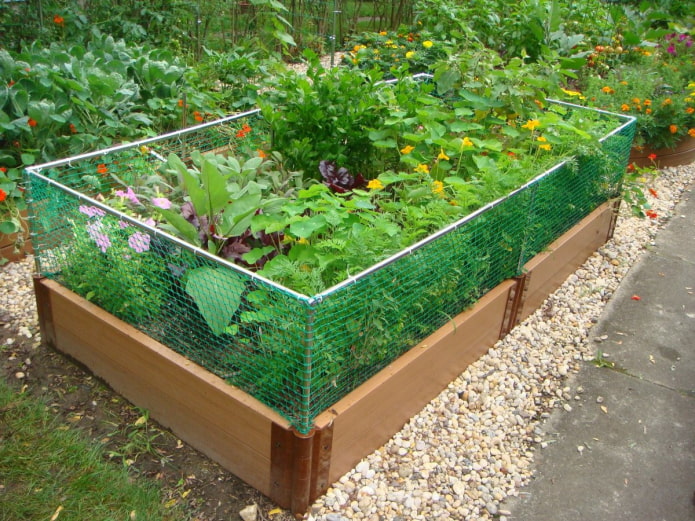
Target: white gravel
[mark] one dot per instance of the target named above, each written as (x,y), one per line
(473,446)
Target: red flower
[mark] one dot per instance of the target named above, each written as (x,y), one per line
(197,116)
(651,214)
(32,122)
(3,195)
(101,169)
(652,157)
(3,169)
(653,192)
(631,167)
(58,20)
(73,128)
(10,83)
(245,129)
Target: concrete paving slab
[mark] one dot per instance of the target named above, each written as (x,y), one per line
(653,337)
(678,237)
(630,457)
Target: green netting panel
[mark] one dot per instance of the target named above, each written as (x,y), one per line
(570,192)
(297,354)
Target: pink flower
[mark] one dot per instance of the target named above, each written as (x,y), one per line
(161,202)
(91,211)
(139,241)
(128,194)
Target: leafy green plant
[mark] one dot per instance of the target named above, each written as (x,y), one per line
(114,265)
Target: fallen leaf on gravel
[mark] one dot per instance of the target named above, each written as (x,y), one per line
(604,409)
(651,359)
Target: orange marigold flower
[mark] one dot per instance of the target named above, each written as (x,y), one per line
(607,90)
(102,169)
(197,116)
(647,102)
(648,111)
(180,103)
(690,110)
(636,101)
(32,122)
(625,107)
(262,153)
(672,129)
(691,132)
(58,20)
(667,101)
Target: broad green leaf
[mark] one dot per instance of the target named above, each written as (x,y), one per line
(306,227)
(255,254)
(217,293)
(214,186)
(185,229)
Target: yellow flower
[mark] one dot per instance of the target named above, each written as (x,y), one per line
(382,33)
(410,54)
(422,168)
(636,101)
(531,124)
(427,44)
(571,92)
(437,187)
(673,129)
(647,102)
(302,241)
(623,83)
(541,139)
(625,107)
(545,146)
(442,155)
(375,184)
(647,53)
(407,149)
(607,90)
(466,142)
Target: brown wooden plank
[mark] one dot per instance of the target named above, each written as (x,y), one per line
(367,417)
(218,419)
(548,270)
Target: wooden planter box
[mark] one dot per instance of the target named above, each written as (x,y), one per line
(256,443)
(682,154)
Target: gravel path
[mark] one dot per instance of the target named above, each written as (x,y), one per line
(473,446)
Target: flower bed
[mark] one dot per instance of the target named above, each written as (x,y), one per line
(256,323)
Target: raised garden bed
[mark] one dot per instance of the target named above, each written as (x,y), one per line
(289,390)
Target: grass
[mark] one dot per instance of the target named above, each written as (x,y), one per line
(49,472)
